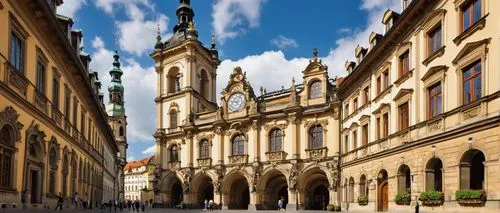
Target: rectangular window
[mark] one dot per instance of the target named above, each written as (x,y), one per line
(404,63)
(386,79)
(75,112)
(355,103)
(379,128)
(435,41)
(82,123)
(385,128)
(90,131)
(40,77)
(471,13)
(16,52)
(434,95)
(403,116)
(379,85)
(346,143)
(366,95)
(472,82)
(67,101)
(355,139)
(346,110)
(364,139)
(55,93)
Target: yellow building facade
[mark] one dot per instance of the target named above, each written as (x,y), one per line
(250,151)
(421,111)
(54,132)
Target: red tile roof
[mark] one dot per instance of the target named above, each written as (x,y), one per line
(139,163)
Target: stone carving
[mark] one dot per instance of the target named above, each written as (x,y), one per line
(238,159)
(9,116)
(317,153)
(16,79)
(276,156)
(436,125)
(472,113)
(323,122)
(255,176)
(293,177)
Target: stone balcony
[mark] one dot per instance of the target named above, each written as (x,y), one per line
(238,159)
(174,165)
(204,162)
(276,156)
(318,153)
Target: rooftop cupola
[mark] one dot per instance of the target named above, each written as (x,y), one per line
(185,15)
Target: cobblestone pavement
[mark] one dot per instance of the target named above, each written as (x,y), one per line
(149,210)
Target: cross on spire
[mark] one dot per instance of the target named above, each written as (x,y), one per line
(315,53)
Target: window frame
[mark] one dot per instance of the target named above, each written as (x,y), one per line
(432,95)
(238,141)
(17,31)
(404,63)
(204,149)
(275,140)
(470,7)
(315,89)
(472,80)
(385,125)
(173,118)
(434,39)
(403,116)
(364,134)
(316,137)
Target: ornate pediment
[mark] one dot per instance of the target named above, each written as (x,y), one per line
(402,93)
(471,47)
(238,82)
(434,70)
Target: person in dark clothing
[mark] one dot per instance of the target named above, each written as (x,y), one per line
(60,201)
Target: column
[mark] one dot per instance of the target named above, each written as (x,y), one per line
(253,201)
(292,200)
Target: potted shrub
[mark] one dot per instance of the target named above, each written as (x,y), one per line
(468,197)
(338,208)
(431,198)
(363,200)
(403,198)
(330,207)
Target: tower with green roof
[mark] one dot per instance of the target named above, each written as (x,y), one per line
(117,119)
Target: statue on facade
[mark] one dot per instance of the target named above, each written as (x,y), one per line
(293,177)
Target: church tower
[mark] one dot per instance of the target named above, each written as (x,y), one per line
(186,79)
(117,119)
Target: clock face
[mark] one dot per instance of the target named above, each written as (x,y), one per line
(236,102)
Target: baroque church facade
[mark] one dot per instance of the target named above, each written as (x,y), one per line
(253,149)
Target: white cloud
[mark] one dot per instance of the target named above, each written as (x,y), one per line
(70,7)
(109,5)
(230,16)
(283,42)
(150,150)
(139,83)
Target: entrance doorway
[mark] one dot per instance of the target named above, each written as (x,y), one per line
(239,194)
(35,187)
(274,187)
(383,192)
(176,193)
(320,198)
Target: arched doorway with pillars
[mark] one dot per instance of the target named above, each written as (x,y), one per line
(235,191)
(203,189)
(313,188)
(171,190)
(272,187)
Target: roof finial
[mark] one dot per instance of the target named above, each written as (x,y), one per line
(315,53)
(158,44)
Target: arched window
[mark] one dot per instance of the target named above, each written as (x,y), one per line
(6,157)
(404,179)
(472,170)
(434,175)
(351,189)
(275,140)
(52,172)
(173,80)
(316,137)
(174,153)
(238,143)
(204,90)
(363,186)
(315,90)
(120,130)
(65,171)
(173,119)
(204,149)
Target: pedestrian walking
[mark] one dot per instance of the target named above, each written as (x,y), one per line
(211,204)
(60,201)
(75,199)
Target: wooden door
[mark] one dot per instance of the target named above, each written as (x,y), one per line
(385,197)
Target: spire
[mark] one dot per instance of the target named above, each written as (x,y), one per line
(213,42)
(115,88)
(185,15)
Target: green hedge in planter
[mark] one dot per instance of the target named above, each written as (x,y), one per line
(466,194)
(330,207)
(431,195)
(403,198)
(362,200)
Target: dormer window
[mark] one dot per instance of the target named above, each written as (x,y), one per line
(388,26)
(405,4)
(315,90)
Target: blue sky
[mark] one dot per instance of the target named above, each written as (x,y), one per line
(272,40)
